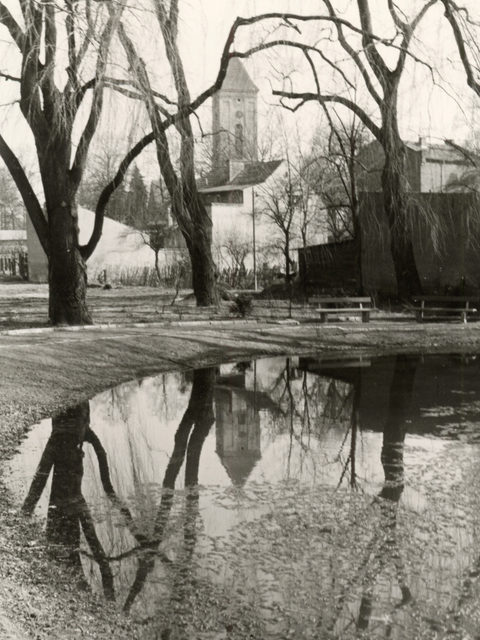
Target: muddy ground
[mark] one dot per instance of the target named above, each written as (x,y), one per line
(138,334)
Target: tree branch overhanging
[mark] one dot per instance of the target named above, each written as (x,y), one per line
(28,195)
(79,161)
(451,9)
(89,248)
(346,102)
(13,27)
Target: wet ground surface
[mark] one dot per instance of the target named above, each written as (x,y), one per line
(43,373)
(302,496)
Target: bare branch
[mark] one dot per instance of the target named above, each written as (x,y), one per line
(28,195)
(97,101)
(450,10)
(346,102)
(72,69)
(89,248)
(375,60)
(13,27)
(399,23)
(50,92)
(354,55)
(9,77)
(408,32)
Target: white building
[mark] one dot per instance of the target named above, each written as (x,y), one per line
(233,189)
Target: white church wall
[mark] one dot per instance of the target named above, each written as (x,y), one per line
(120,248)
(234,224)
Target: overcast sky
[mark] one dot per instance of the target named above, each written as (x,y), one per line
(435,104)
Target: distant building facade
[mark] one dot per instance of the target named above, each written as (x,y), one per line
(445,227)
(429,167)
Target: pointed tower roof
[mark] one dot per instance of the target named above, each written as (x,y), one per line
(237,78)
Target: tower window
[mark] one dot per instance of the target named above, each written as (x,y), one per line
(239,140)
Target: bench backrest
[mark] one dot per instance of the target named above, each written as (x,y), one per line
(321,299)
(446,298)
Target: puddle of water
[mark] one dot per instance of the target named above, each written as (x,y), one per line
(284,497)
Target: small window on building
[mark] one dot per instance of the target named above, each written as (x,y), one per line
(239,140)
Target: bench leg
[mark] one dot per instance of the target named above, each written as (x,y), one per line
(323,317)
(464,316)
(419,315)
(365,316)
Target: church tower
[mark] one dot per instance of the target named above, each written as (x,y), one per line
(234,124)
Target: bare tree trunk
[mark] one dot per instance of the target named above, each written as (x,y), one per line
(395,203)
(287,259)
(198,237)
(67,271)
(157,268)
(204,278)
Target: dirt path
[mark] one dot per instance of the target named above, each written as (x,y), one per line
(46,370)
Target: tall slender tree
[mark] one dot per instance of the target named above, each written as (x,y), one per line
(187,206)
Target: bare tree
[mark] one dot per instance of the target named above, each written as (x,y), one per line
(370,56)
(236,248)
(53,104)
(290,203)
(336,169)
(277,202)
(187,207)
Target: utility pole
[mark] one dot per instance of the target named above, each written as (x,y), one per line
(254,243)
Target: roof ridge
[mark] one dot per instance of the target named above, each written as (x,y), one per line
(237,78)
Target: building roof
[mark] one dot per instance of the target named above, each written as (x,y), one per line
(448,152)
(253,173)
(9,235)
(239,466)
(256,172)
(237,79)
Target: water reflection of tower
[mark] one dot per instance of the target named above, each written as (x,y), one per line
(238,423)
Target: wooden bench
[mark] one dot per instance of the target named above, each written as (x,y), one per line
(443,306)
(342,306)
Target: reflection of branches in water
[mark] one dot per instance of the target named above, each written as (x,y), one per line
(352,454)
(199,413)
(307,420)
(337,391)
(383,548)
(68,510)
(291,405)
(392,461)
(341,403)
(108,487)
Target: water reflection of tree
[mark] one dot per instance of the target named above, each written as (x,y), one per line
(384,548)
(189,439)
(319,404)
(69,513)
(306,401)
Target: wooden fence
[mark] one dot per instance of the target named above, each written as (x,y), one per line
(14,264)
